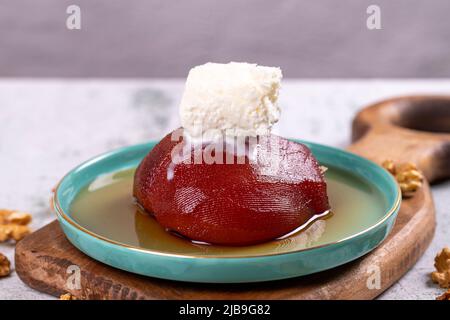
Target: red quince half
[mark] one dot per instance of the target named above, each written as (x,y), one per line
(274,188)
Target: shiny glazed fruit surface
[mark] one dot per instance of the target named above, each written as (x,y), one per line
(236,200)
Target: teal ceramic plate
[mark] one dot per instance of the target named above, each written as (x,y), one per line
(94,206)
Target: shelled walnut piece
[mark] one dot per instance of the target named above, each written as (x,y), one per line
(407,174)
(5,266)
(444,296)
(442,265)
(67,296)
(13,225)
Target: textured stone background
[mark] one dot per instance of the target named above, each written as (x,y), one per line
(50,126)
(164,38)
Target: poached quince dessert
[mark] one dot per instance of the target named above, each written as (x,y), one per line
(224,178)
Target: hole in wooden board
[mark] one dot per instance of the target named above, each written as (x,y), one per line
(430,115)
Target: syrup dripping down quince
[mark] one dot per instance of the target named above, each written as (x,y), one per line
(233,204)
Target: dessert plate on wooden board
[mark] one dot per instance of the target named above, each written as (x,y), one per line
(364,198)
(47,251)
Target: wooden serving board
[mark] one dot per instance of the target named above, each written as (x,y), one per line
(42,258)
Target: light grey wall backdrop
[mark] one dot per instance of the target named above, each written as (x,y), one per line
(164,38)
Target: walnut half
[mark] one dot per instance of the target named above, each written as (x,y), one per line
(67,296)
(5,266)
(408,176)
(444,296)
(442,265)
(13,225)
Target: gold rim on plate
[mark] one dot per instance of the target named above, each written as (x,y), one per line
(60,213)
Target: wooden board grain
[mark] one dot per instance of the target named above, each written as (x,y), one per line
(43,258)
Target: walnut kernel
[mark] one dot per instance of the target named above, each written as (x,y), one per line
(442,265)
(5,266)
(14,225)
(67,296)
(444,296)
(408,176)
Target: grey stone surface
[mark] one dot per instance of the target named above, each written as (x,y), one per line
(160,38)
(49,126)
